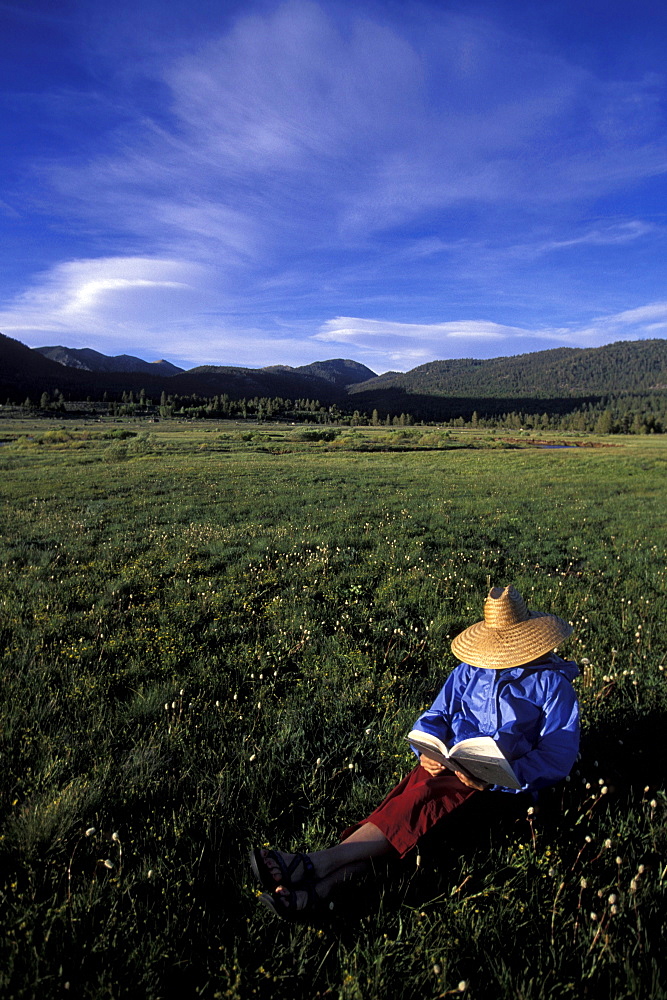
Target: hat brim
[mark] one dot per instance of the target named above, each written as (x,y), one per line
(481,646)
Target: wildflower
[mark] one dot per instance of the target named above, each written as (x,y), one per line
(149,873)
(613,910)
(607,844)
(641,870)
(436,970)
(604,790)
(588,838)
(594,917)
(584,883)
(463,986)
(619,861)
(633,885)
(252,756)
(612,898)
(90,831)
(114,836)
(108,864)
(318,762)
(653,804)
(531,811)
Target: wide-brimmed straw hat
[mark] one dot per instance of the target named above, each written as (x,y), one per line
(510,634)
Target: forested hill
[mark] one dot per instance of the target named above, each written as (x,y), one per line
(555,382)
(638,366)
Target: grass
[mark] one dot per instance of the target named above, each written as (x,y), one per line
(211,643)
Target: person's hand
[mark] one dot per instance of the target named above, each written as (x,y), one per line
(434,767)
(467,779)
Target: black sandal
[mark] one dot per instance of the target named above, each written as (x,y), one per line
(265,877)
(287,909)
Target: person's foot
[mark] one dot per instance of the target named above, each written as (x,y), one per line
(293,904)
(278,868)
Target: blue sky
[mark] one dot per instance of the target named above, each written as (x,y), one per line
(274,182)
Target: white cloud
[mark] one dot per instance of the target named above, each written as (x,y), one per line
(390,344)
(121,297)
(315,158)
(160,307)
(406,344)
(294,129)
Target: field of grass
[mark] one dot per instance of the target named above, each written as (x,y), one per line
(212,641)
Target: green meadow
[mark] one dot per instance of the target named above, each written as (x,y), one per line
(216,637)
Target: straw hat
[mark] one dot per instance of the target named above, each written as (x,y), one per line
(510,634)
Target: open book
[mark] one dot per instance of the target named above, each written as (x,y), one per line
(478,756)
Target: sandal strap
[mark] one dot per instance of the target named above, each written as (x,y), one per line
(308,876)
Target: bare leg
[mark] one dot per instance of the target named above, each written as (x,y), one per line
(365,843)
(337,863)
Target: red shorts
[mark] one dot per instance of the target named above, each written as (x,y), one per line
(414,806)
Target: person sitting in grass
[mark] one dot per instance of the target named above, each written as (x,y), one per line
(511,686)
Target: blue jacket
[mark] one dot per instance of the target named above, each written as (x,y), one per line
(530,711)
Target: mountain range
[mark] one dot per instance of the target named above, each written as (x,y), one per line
(559,374)
(88,360)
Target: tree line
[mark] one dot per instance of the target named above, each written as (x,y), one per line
(620,414)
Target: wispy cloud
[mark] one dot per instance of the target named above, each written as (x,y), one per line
(104,298)
(306,159)
(293,121)
(408,344)
(174,309)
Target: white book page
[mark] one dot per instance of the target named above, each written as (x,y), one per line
(485,759)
